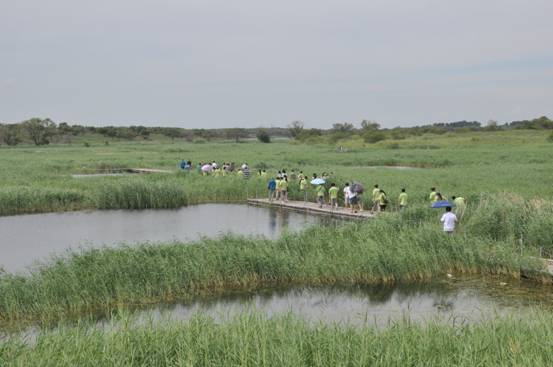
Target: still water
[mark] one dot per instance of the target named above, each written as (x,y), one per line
(455,300)
(25,239)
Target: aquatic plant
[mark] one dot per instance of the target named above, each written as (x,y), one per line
(19,200)
(255,340)
(380,251)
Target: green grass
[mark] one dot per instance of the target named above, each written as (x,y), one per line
(253,340)
(38,179)
(505,175)
(386,250)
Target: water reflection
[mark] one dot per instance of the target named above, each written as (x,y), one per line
(459,300)
(26,238)
(455,301)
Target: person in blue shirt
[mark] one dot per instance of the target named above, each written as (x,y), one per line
(272,188)
(185,165)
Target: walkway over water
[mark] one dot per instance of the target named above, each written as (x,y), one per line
(309,207)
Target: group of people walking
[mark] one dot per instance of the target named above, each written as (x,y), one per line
(278,189)
(212,168)
(328,194)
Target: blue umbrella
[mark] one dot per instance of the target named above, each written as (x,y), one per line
(317,181)
(442,204)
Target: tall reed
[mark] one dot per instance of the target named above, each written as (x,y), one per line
(254,340)
(365,253)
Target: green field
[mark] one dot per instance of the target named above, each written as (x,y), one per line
(38,179)
(506,177)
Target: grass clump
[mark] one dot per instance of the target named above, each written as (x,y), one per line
(510,217)
(19,200)
(139,194)
(254,340)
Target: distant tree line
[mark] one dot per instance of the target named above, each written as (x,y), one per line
(44,131)
(371,131)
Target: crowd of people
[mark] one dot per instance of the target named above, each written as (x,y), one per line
(326,190)
(278,188)
(212,168)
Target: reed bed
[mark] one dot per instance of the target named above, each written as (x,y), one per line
(255,340)
(21,200)
(382,251)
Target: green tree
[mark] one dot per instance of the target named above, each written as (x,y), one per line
(9,134)
(263,136)
(368,125)
(64,128)
(141,131)
(295,128)
(345,127)
(308,134)
(236,133)
(172,132)
(109,131)
(39,130)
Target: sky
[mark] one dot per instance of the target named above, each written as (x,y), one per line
(251,63)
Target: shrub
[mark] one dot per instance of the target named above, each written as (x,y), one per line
(372,137)
(263,136)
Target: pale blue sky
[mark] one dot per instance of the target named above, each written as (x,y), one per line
(220,63)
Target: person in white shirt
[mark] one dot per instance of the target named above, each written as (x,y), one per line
(347,195)
(449,219)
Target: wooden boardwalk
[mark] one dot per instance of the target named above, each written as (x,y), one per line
(148,170)
(309,207)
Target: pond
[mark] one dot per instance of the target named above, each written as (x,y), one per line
(28,238)
(456,300)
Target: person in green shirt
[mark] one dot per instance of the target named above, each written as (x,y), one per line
(278,187)
(458,201)
(402,200)
(376,194)
(303,187)
(460,205)
(433,194)
(321,191)
(333,194)
(284,189)
(382,201)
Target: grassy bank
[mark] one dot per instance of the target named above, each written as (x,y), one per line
(389,249)
(253,340)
